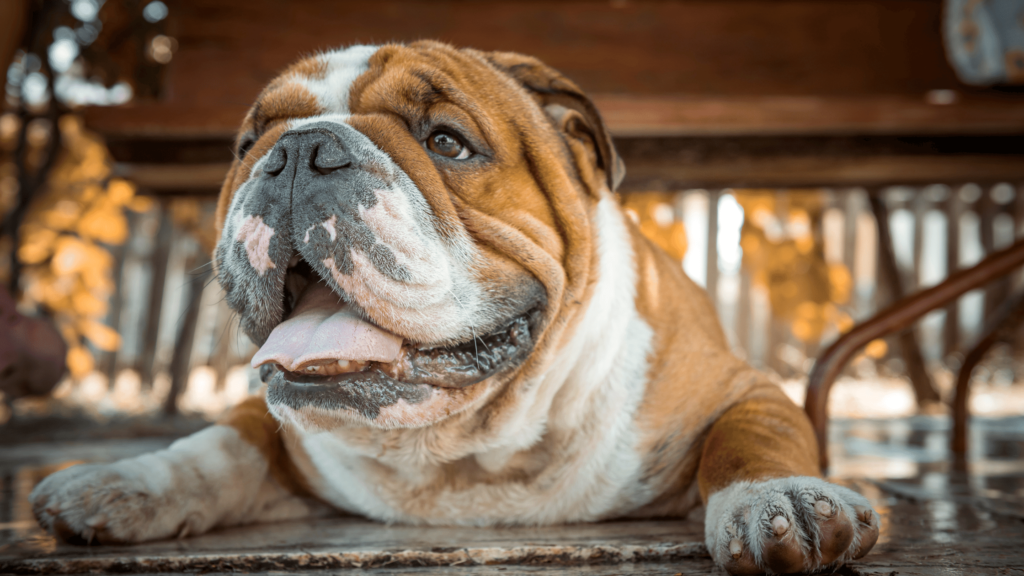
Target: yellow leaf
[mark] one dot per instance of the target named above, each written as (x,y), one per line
(69,256)
(104,224)
(97,280)
(91,193)
(86,303)
(807,310)
(95,274)
(103,336)
(80,361)
(840,283)
(844,323)
(62,215)
(803,330)
(120,191)
(876,349)
(34,253)
(141,204)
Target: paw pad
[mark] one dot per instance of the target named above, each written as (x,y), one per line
(788,525)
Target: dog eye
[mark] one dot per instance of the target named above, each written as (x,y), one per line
(444,144)
(244,146)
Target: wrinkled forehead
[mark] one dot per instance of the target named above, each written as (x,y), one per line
(316,85)
(418,85)
(392,78)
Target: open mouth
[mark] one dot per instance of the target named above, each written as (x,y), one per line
(325,352)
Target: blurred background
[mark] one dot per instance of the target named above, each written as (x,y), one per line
(808,162)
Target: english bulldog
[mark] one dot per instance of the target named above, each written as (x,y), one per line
(459,326)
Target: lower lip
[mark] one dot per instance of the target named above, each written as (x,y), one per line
(366,392)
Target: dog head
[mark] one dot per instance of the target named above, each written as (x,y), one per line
(406,229)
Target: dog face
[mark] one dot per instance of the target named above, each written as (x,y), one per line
(405,230)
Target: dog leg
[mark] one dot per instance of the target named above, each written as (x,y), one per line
(768,511)
(220,476)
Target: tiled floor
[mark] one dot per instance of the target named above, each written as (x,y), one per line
(935,521)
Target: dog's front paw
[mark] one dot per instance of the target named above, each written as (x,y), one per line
(785,525)
(108,504)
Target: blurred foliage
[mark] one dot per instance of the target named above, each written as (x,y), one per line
(654,214)
(782,251)
(65,239)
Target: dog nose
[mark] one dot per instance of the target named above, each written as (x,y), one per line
(316,150)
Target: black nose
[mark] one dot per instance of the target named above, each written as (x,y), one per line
(304,151)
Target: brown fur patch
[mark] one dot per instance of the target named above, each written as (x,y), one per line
(287,101)
(694,383)
(762,436)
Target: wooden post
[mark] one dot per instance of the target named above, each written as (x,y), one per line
(158,277)
(743,316)
(911,351)
(711,279)
(951,327)
(181,360)
(120,253)
(221,359)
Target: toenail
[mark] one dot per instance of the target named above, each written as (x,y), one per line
(867,516)
(823,508)
(97,521)
(736,548)
(780,524)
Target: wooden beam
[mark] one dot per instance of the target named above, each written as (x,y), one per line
(801,172)
(792,172)
(808,115)
(198,165)
(228,50)
(186,179)
(629,116)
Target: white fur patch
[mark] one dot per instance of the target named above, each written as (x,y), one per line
(256,237)
(211,478)
(329,226)
(343,67)
(571,433)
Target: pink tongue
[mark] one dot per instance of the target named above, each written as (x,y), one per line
(324,329)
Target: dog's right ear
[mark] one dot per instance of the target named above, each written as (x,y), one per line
(568,106)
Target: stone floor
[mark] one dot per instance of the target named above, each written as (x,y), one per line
(934,520)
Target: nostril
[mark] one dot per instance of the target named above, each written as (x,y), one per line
(329,157)
(276,162)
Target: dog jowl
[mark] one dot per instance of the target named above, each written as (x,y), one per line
(458,326)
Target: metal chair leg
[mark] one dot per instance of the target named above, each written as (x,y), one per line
(1005,319)
(899,316)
